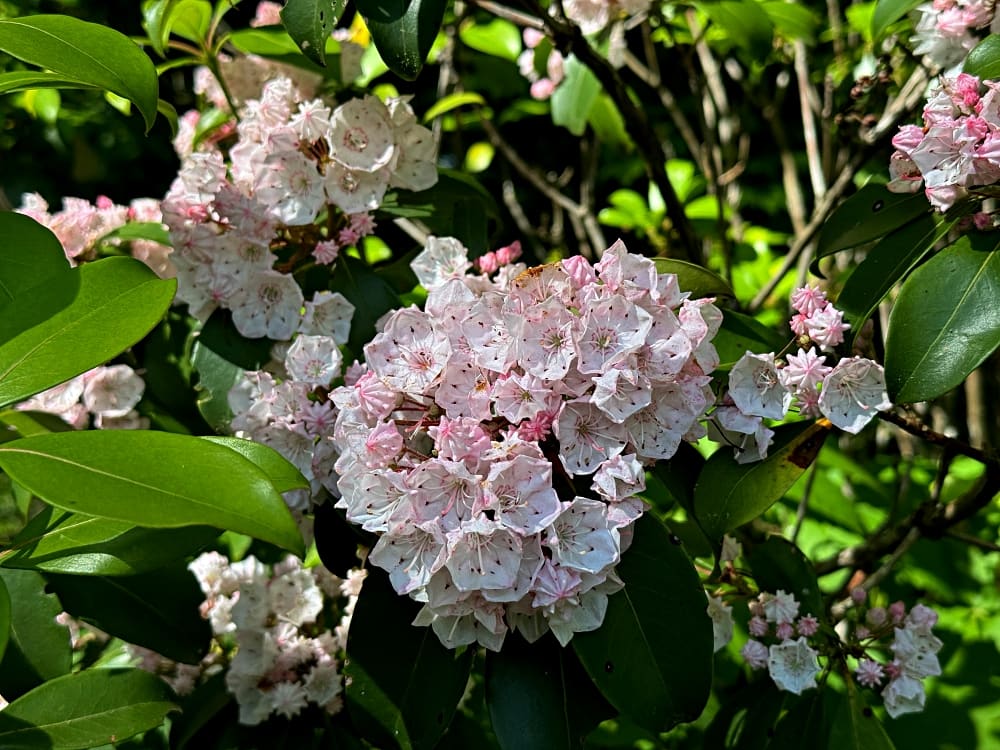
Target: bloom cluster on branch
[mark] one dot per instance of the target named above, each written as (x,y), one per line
(945,32)
(105,396)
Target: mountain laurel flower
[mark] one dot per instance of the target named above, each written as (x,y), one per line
(793,665)
(756,388)
(852,393)
(755,654)
(722,621)
(869,673)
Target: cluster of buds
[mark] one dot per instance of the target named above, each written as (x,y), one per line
(780,641)
(541,64)
(496,442)
(849,394)
(298,186)
(104,397)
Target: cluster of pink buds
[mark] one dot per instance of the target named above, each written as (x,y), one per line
(955,149)
(792,663)
(849,394)
(496,441)
(541,64)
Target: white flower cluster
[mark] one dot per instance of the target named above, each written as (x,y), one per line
(106,396)
(792,663)
(285,657)
(496,441)
(300,180)
(945,32)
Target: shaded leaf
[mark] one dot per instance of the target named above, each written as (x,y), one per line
(870,213)
(84,710)
(575,96)
(384,11)
(88,52)
(153,479)
(276,44)
(855,727)
(49,338)
(29,255)
(337,539)
(661,606)
(404,42)
(539,696)
(945,322)
(746,717)
(729,494)
(694,278)
(38,648)
(746,24)
(310,23)
(791,20)
(804,724)
(370,294)
(403,684)
(741,333)
(779,564)
(4,618)
(887,12)
(157,610)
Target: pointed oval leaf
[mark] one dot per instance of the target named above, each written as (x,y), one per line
(741,333)
(153,479)
(887,12)
(498,37)
(38,648)
(652,657)
(886,263)
(405,42)
(29,254)
(575,96)
(4,618)
(23,80)
(946,320)
(984,59)
(729,494)
(403,684)
(55,541)
(870,213)
(779,564)
(746,24)
(310,23)
(805,724)
(88,52)
(282,472)
(86,709)
(157,610)
(80,320)
(694,278)
(539,697)
(855,727)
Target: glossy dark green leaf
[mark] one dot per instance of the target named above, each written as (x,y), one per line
(945,321)
(886,263)
(741,333)
(29,255)
(51,338)
(337,539)
(729,494)
(155,14)
(4,618)
(85,710)
(370,294)
(791,20)
(746,24)
(204,706)
(38,648)
(634,658)
(984,59)
(89,52)
(695,279)
(805,724)
(779,564)
(870,213)
(310,23)
(55,541)
(383,11)
(855,727)
(539,696)
(573,99)
(158,610)
(155,479)
(282,473)
(405,42)
(23,80)
(680,474)
(887,12)
(403,685)
(746,717)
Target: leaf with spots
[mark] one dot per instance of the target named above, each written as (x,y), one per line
(310,23)
(405,41)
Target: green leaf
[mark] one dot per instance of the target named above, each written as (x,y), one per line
(887,12)
(59,542)
(729,494)
(153,479)
(870,213)
(741,333)
(384,11)
(791,20)
(405,42)
(403,685)
(24,80)
(945,322)
(499,38)
(30,254)
(38,648)
(84,710)
(4,618)
(88,52)
(854,726)
(48,338)
(886,263)
(746,717)
(154,15)
(276,44)
(575,96)
(370,294)
(652,657)
(984,59)
(282,472)
(539,696)
(310,23)
(157,610)
(779,564)
(139,230)
(608,123)
(453,101)
(694,278)
(803,725)
(745,23)
(190,19)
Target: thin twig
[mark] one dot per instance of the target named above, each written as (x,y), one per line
(911,424)
(839,609)
(809,107)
